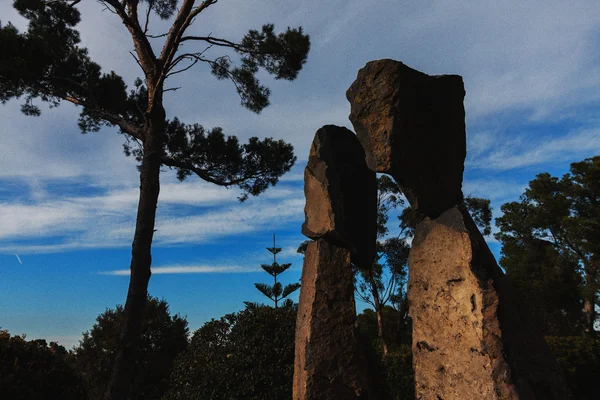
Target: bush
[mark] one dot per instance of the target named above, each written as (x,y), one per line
(242,356)
(579,358)
(32,370)
(163,337)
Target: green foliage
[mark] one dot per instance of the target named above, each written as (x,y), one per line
(565,214)
(390,377)
(243,356)
(397,329)
(253,166)
(548,282)
(32,370)
(580,360)
(478,207)
(388,273)
(163,337)
(276,292)
(399,374)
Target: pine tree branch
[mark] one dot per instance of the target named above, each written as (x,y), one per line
(204,174)
(114,119)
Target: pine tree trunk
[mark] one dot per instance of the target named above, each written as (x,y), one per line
(141,259)
(379,314)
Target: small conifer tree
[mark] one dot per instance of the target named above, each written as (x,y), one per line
(276,291)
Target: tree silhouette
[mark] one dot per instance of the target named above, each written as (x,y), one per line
(47,63)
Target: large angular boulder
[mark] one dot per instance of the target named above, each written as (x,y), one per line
(412,126)
(328,364)
(341,194)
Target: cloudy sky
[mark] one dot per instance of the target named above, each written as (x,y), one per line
(68,201)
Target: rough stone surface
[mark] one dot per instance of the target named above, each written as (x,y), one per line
(341,194)
(412,126)
(327,365)
(471,336)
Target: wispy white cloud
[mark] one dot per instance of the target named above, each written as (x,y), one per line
(108,220)
(493,189)
(185,269)
(528,151)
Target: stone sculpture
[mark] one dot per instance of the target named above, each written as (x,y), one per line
(472,337)
(340,217)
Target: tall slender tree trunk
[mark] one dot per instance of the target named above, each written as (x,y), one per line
(590,299)
(590,314)
(378,313)
(141,258)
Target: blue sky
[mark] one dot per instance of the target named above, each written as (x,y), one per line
(67,201)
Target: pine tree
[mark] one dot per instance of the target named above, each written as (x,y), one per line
(47,63)
(276,292)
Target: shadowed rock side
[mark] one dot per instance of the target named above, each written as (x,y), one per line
(473,337)
(341,194)
(412,126)
(327,365)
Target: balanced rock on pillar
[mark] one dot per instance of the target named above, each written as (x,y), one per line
(341,215)
(412,126)
(341,194)
(473,337)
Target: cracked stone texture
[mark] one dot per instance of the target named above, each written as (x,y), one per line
(472,338)
(328,364)
(341,194)
(412,126)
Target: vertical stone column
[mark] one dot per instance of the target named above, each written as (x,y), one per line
(472,335)
(341,217)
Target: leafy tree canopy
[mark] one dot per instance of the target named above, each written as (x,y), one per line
(32,370)
(245,355)
(565,214)
(163,337)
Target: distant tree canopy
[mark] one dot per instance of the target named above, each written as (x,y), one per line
(163,337)
(558,220)
(246,355)
(33,370)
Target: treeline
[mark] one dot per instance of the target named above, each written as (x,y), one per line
(550,249)
(243,355)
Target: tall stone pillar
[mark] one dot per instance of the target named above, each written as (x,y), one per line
(472,335)
(341,219)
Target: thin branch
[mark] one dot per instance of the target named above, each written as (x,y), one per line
(147,18)
(183,20)
(157,36)
(195,56)
(172,89)
(183,69)
(136,60)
